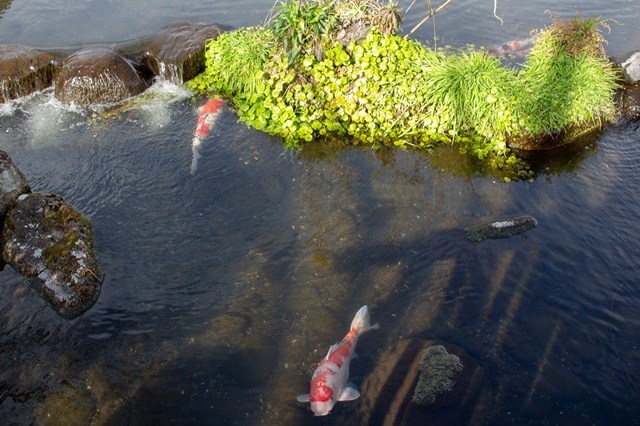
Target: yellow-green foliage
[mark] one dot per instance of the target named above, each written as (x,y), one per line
(388,90)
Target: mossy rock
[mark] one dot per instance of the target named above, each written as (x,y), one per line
(498,229)
(51,245)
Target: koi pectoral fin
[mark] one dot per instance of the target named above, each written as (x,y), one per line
(349,393)
(303,398)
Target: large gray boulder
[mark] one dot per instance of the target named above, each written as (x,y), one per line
(12,184)
(177,53)
(51,245)
(24,71)
(98,75)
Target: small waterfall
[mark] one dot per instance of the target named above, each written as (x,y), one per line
(33,80)
(172,73)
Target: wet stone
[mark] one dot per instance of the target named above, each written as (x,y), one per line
(98,76)
(12,184)
(630,101)
(631,68)
(177,54)
(51,245)
(24,71)
(506,228)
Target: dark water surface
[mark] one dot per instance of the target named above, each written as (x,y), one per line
(224,289)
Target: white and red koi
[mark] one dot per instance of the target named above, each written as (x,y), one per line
(518,47)
(207,116)
(329,382)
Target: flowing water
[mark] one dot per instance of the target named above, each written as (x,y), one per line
(223,289)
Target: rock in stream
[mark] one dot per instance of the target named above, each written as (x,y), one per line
(12,184)
(24,70)
(500,228)
(51,245)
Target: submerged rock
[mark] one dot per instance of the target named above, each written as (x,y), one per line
(388,393)
(51,245)
(500,228)
(98,76)
(177,54)
(24,71)
(438,370)
(12,184)
(68,405)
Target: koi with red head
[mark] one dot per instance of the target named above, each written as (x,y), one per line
(329,381)
(207,117)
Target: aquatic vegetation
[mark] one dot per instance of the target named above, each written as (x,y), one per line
(438,368)
(302,78)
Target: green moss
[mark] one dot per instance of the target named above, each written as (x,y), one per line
(389,90)
(438,368)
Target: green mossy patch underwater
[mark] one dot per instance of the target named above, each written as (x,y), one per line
(307,75)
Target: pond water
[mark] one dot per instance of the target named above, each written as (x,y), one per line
(223,289)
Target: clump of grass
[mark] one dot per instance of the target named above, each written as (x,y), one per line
(475,92)
(307,26)
(369,14)
(302,26)
(567,79)
(235,62)
(574,37)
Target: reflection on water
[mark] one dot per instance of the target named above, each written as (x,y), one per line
(224,289)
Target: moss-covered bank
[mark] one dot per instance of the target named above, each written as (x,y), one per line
(301,77)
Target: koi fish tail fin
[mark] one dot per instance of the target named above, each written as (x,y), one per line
(195,148)
(361,322)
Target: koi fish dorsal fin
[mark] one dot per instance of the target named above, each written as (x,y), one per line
(349,393)
(303,398)
(332,349)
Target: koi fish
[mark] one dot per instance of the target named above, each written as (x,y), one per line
(518,47)
(207,117)
(329,381)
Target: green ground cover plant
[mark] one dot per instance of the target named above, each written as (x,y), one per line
(324,68)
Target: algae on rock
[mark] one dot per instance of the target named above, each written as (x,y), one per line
(438,370)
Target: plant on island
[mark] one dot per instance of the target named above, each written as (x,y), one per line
(324,68)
